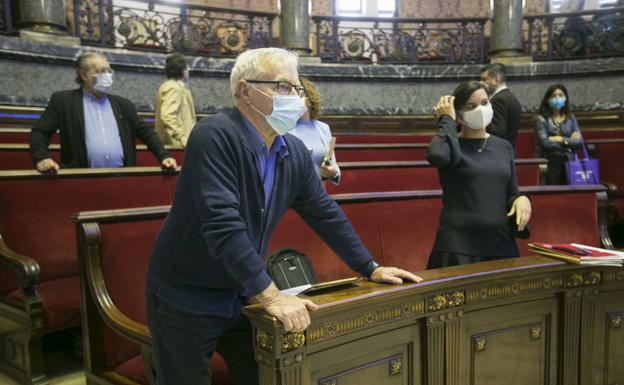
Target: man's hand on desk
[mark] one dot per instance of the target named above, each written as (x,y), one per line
(289,310)
(393,275)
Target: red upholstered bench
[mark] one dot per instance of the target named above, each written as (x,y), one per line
(399,228)
(414,175)
(39,290)
(114,248)
(363,152)
(20,136)
(16,156)
(610,154)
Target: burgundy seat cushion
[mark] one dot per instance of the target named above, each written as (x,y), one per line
(385,179)
(560,218)
(133,369)
(125,252)
(60,300)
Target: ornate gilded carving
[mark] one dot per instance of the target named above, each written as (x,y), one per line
(447,300)
(616,320)
(396,366)
(584,279)
(535,332)
(514,288)
(437,303)
(479,343)
(292,341)
(363,320)
(264,340)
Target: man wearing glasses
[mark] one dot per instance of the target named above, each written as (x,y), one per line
(97,129)
(240,174)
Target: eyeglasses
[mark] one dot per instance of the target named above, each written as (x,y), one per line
(103,71)
(282,87)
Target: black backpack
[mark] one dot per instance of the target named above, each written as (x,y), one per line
(290,268)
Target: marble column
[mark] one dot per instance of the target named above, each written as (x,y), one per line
(295,26)
(46,16)
(506,35)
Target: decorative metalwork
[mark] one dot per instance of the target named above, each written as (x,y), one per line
(480,343)
(187,28)
(382,40)
(447,300)
(535,332)
(576,35)
(264,340)
(396,366)
(292,341)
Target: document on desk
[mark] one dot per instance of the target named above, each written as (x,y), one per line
(322,287)
(296,290)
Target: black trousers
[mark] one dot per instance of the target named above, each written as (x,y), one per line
(183,345)
(556,174)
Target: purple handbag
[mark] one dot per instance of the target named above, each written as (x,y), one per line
(582,171)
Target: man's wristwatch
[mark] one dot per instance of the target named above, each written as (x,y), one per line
(368,270)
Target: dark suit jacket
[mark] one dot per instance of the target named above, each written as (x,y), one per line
(507,116)
(209,251)
(65,113)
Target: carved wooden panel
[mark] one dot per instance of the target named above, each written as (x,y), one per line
(510,342)
(382,359)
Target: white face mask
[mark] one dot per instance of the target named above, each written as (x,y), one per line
(478,118)
(103,83)
(286,111)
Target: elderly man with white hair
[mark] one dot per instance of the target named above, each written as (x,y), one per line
(240,175)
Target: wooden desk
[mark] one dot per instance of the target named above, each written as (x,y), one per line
(522,321)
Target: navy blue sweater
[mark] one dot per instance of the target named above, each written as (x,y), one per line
(210,248)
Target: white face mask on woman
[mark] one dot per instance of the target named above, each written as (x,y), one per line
(479,117)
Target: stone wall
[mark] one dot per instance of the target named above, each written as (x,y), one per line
(31,72)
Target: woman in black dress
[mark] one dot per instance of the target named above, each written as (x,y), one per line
(478,178)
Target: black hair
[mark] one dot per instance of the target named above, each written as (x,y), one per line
(175,66)
(545,110)
(495,70)
(463,92)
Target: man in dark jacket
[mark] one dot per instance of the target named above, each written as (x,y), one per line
(97,129)
(507,108)
(240,175)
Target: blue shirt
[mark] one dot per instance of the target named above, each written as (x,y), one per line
(101,132)
(266,159)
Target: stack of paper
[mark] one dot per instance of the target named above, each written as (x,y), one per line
(579,254)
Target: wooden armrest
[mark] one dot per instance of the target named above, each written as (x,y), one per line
(128,328)
(611,188)
(28,269)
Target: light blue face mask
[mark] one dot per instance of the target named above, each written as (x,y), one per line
(286,111)
(103,83)
(557,102)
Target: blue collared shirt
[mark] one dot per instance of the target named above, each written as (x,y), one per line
(101,132)
(266,159)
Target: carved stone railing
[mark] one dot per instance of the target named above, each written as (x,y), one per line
(584,34)
(398,40)
(169,26)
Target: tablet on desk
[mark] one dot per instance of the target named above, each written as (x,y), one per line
(322,287)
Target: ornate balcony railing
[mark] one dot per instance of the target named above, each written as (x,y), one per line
(5,17)
(398,40)
(170,26)
(575,35)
